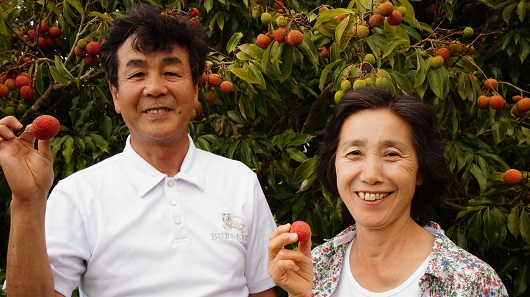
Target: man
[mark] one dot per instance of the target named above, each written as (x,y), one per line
(160,219)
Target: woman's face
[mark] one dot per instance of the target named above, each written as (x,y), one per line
(377,167)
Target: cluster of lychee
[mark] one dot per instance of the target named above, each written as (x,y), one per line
(214,81)
(496,101)
(88,51)
(386,11)
(443,54)
(279,24)
(23,83)
(44,36)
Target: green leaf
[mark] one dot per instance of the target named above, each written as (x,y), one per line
(235,116)
(473,226)
(77,5)
(499,131)
(394,44)
(524,226)
(521,278)
(233,42)
(438,79)
(296,155)
(421,70)
(58,75)
(513,222)
(494,226)
(68,149)
(521,10)
(304,170)
(105,126)
(243,74)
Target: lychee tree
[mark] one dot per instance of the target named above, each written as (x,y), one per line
(276,71)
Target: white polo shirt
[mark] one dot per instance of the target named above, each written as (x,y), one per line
(122,228)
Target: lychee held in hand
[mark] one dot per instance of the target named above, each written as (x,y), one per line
(302,229)
(45,127)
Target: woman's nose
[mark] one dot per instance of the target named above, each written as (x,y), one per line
(371,170)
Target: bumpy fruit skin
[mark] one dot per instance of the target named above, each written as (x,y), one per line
(437,62)
(4,90)
(45,127)
(194,12)
(79,52)
(445,53)
(81,43)
(92,48)
(369,58)
(325,53)
(280,34)
(214,80)
(483,102)
(395,18)
(21,81)
(361,31)
(266,17)
(10,83)
(345,85)
(491,84)
(203,79)
(523,105)
(282,21)
(403,10)
(385,8)
(27,92)
(468,32)
(516,98)
(263,41)
(359,84)
(376,20)
(210,96)
(226,87)
(512,177)
(517,113)
(294,38)
(496,102)
(54,32)
(338,96)
(302,229)
(91,60)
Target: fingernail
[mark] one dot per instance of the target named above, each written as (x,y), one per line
(292,236)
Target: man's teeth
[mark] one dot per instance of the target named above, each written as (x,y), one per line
(157,111)
(372,196)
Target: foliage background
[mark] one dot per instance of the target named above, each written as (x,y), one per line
(284,94)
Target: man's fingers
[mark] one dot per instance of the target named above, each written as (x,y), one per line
(7,125)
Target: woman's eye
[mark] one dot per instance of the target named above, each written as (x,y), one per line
(136,75)
(354,153)
(392,154)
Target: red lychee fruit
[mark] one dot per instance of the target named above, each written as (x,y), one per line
(92,48)
(54,32)
(516,98)
(385,9)
(491,84)
(523,105)
(210,96)
(214,80)
(302,229)
(483,101)
(31,34)
(203,79)
(45,127)
(496,102)
(517,113)
(79,52)
(226,87)
(294,38)
(445,53)
(395,18)
(91,60)
(263,41)
(10,83)
(194,12)
(512,177)
(4,90)
(42,28)
(325,53)
(279,34)
(27,92)
(21,81)
(376,20)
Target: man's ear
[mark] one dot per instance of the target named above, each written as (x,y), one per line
(114,93)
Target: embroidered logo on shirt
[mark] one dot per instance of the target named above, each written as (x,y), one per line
(231,222)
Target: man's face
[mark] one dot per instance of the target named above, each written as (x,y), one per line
(155,95)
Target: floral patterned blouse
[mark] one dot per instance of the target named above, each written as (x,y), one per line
(452,271)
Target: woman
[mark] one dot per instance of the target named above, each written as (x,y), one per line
(381,154)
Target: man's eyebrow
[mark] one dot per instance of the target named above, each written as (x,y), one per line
(165,61)
(171,60)
(135,62)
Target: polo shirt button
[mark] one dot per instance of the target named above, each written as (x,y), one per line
(178,221)
(174,202)
(170,183)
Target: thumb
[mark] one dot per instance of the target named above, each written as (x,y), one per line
(45,148)
(305,246)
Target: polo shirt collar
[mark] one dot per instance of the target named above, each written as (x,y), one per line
(145,177)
